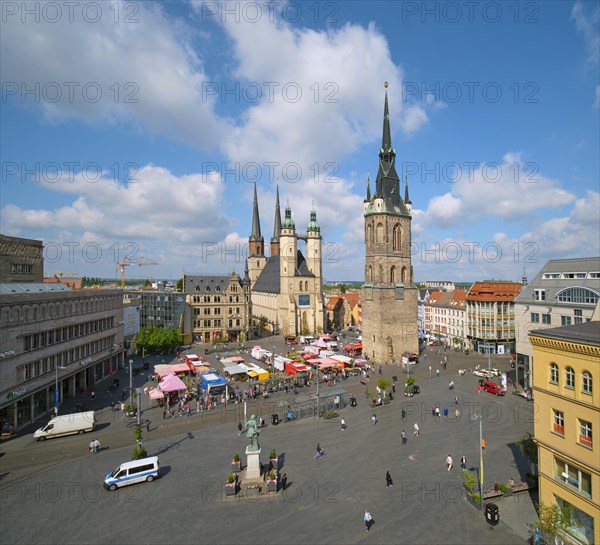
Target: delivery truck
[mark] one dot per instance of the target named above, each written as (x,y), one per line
(67,424)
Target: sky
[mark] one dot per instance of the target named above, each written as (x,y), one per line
(137,130)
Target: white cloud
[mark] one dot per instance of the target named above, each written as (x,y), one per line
(161,209)
(510,189)
(587,24)
(143,73)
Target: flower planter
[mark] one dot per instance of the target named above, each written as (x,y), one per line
(274,463)
(230,489)
(272,486)
(252,491)
(236,466)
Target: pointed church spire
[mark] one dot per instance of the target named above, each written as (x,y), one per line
(386,140)
(255,235)
(246,280)
(368,199)
(406,198)
(257,243)
(277,224)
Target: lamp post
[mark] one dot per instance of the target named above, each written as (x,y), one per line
(130,380)
(479,417)
(56,400)
(318,398)
(139,407)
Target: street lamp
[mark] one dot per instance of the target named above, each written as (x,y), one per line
(474,418)
(56,400)
(139,407)
(130,380)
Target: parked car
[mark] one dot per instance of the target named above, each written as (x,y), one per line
(410,391)
(495,372)
(482,373)
(494,388)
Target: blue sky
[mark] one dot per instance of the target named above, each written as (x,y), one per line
(136,129)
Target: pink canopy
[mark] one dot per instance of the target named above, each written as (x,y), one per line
(320,343)
(172,383)
(155,393)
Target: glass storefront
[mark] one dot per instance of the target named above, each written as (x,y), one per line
(40,399)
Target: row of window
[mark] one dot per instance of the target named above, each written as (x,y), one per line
(535,318)
(586,378)
(233,288)
(42,366)
(21,268)
(585,428)
(63,334)
(579,275)
(213,299)
(573,477)
(214,323)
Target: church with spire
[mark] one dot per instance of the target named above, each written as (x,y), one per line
(389,296)
(287,286)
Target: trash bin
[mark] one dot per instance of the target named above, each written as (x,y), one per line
(445,412)
(275,419)
(352,402)
(491,513)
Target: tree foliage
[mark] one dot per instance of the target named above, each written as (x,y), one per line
(179,285)
(553,521)
(158,339)
(384,383)
(529,449)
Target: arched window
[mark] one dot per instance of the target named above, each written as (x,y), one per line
(397,238)
(369,274)
(569,377)
(369,234)
(306,286)
(404,275)
(577,295)
(393,278)
(380,279)
(554,373)
(379,234)
(197,288)
(586,382)
(207,288)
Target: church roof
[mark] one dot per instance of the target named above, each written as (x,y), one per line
(387,184)
(207,282)
(269,280)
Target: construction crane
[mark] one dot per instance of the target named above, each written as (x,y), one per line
(127,263)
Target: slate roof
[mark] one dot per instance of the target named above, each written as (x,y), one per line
(9,288)
(269,280)
(192,281)
(554,285)
(585,332)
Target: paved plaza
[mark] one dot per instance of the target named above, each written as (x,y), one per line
(62,500)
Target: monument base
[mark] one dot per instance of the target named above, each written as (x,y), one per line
(253,466)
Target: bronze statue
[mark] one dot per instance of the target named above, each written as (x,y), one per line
(252,432)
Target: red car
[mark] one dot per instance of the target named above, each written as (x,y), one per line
(493,388)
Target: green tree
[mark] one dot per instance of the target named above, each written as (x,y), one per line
(384,384)
(342,288)
(179,285)
(529,449)
(553,521)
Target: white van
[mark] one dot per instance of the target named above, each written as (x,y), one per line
(136,471)
(67,424)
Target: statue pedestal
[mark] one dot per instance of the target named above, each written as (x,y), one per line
(253,467)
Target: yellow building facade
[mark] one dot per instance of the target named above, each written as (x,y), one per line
(566,383)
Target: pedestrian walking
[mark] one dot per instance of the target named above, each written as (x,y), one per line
(463,462)
(93,393)
(94,446)
(449,462)
(437,412)
(240,428)
(343,424)
(388,479)
(457,412)
(416,426)
(479,388)
(374,419)
(456,400)
(148,427)
(283,481)
(403,435)
(164,414)
(368,520)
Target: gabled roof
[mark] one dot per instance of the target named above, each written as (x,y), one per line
(352,297)
(269,279)
(210,281)
(586,332)
(334,303)
(494,291)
